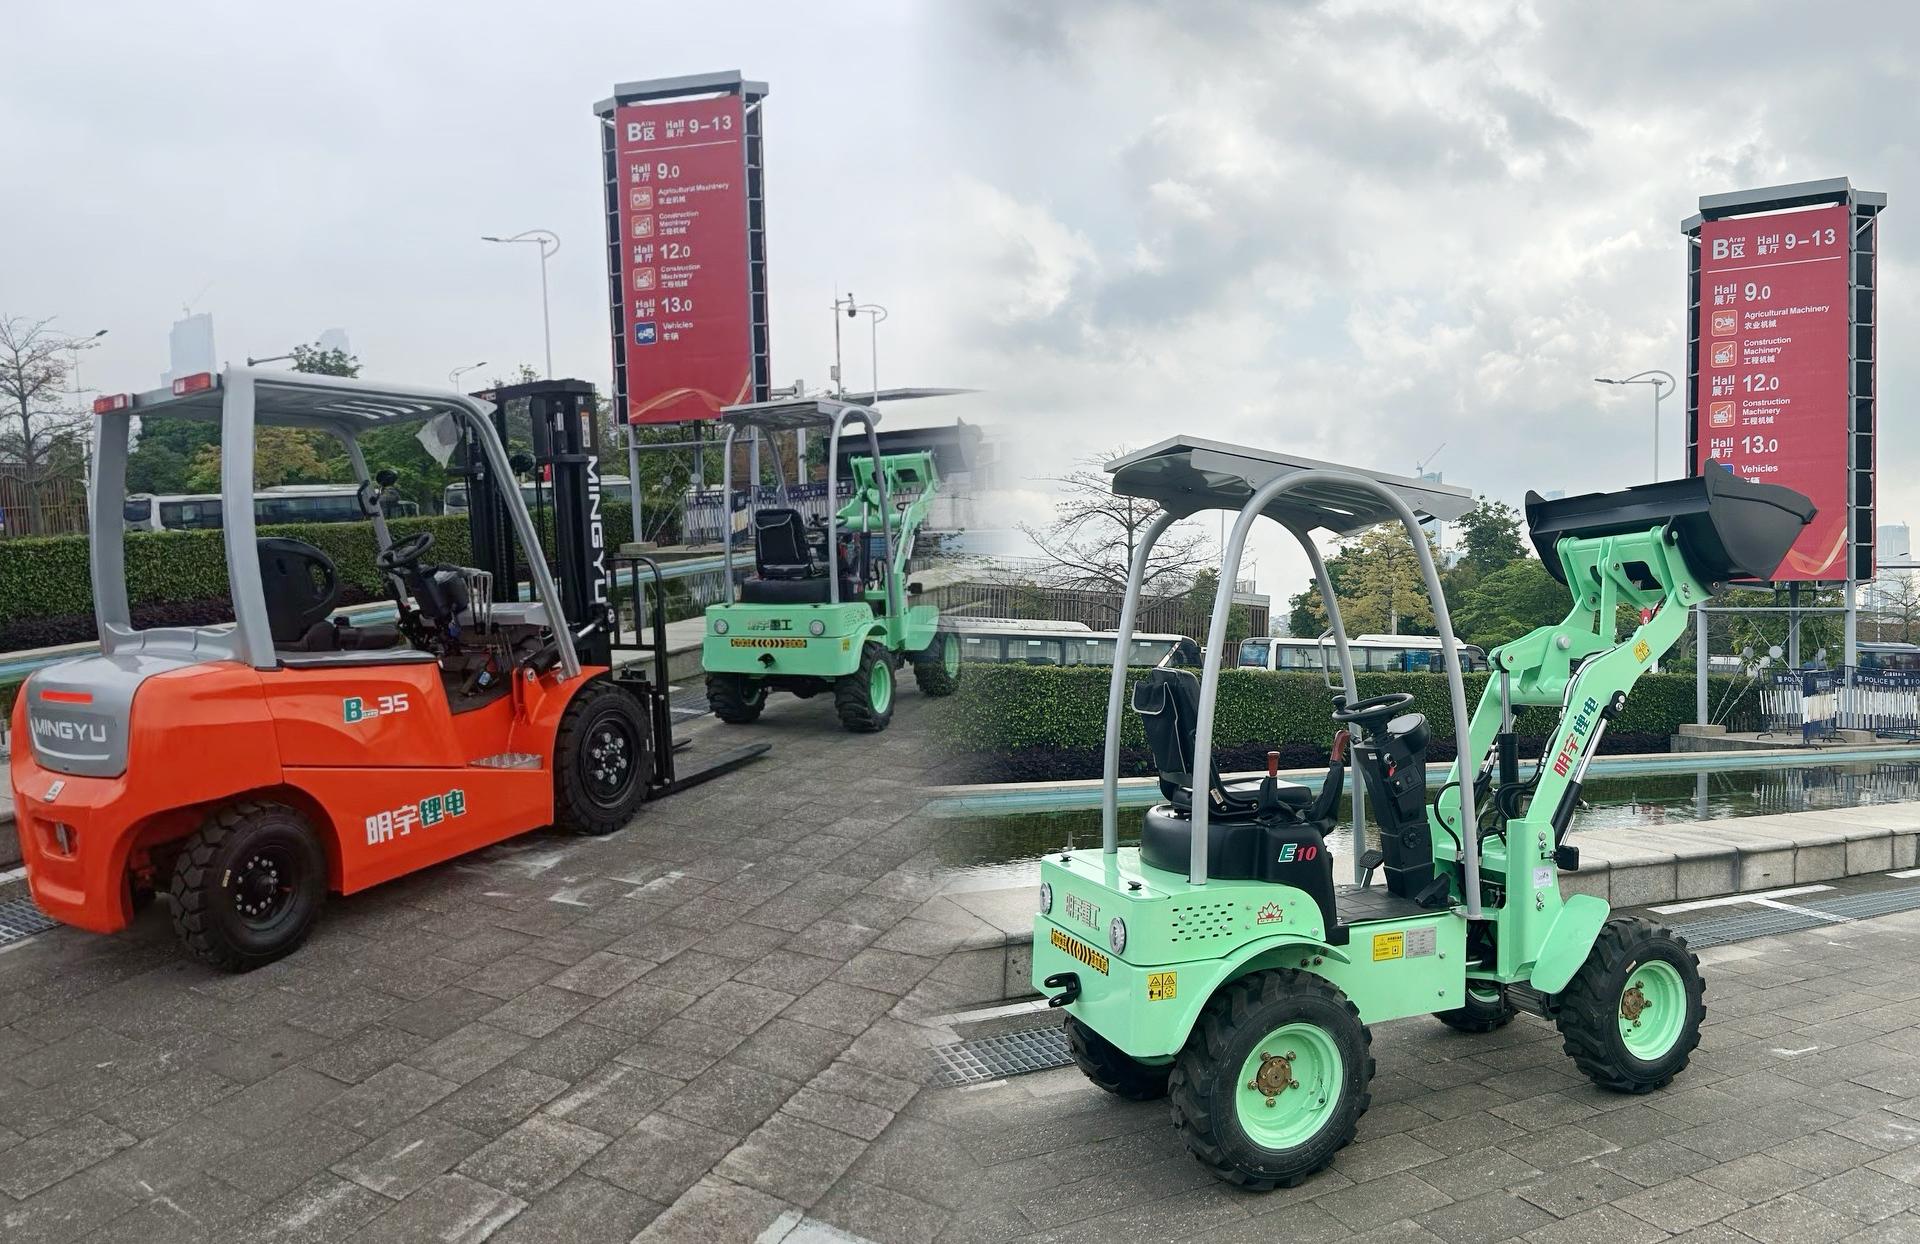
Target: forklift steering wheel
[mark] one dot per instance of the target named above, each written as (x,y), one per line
(1374,709)
(405,553)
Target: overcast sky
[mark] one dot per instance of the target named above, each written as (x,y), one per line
(1358,230)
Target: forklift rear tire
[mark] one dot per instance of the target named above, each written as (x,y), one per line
(1486,1009)
(1273,1080)
(602,758)
(1112,1069)
(864,698)
(936,668)
(248,885)
(1630,1018)
(735,698)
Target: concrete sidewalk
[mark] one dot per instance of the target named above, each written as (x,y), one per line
(558,1038)
(1798,1122)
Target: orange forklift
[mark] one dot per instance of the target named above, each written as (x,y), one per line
(246,770)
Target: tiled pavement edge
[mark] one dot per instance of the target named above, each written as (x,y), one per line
(664,1031)
(1798,1123)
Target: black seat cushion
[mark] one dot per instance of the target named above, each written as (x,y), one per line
(780,546)
(1275,849)
(759,591)
(300,586)
(1168,701)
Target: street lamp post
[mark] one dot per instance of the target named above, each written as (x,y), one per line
(453,377)
(1655,378)
(549,243)
(74,347)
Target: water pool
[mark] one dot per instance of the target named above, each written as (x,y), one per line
(986,850)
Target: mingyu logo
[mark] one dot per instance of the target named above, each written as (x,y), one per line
(70,731)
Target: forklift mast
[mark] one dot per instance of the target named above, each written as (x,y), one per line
(566,463)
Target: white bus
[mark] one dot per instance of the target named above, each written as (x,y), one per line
(284,503)
(1398,654)
(454,499)
(1021,641)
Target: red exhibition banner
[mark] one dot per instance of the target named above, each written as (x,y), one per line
(1773,366)
(683,257)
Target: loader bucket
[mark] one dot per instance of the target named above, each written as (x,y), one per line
(1727,528)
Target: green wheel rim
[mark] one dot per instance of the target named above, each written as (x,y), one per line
(950,656)
(1653,1010)
(880,686)
(1289,1086)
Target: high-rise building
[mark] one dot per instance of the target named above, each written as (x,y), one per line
(189,347)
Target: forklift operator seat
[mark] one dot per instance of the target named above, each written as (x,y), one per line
(300,585)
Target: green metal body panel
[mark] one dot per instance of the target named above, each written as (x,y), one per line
(784,632)
(1185,941)
(1568,942)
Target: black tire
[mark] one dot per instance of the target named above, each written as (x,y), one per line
(1206,1076)
(936,668)
(1110,1068)
(853,694)
(735,698)
(248,885)
(602,758)
(1483,1012)
(1598,1000)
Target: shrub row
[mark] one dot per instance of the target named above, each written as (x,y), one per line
(47,577)
(1047,723)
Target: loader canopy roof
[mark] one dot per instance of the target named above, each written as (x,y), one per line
(792,414)
(1187,475)
(300,400)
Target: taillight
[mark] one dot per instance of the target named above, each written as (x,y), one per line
(198,382)
(112,403)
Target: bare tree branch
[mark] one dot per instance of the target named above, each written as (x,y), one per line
(42,430)
(1094,534)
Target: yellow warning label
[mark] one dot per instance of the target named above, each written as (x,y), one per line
(769,643)
(1389,946)
(1080,950)
(1641,652)
(1162,985)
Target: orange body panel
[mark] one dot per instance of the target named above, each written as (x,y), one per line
(377,787)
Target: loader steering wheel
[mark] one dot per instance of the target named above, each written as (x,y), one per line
(1373,711)
(405,554)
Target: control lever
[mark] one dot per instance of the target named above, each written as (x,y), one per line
(1270,787)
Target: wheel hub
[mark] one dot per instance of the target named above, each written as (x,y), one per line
(1633,1003)
(1275,1075)
(257,890)
(609,759)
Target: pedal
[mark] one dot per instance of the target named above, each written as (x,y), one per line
(1433,894)
(1372,858)
(1567,857)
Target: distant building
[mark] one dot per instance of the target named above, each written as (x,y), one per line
(335,339)
(189,348)
(1892,543)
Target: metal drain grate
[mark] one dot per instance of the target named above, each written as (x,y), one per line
(1866,905)
(996,1057)
(1740,926)
(19,918)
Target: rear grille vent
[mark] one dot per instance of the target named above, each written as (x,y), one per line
(1199,922)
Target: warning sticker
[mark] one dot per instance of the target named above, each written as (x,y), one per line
(1389,946)
(1079,950)
(1162,985)
(1421,942)
(768,643)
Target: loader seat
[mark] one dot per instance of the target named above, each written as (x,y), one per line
(1168,701)
(789,568)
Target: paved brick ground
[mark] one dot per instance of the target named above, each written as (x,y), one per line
(667,1032)
(1798,1123)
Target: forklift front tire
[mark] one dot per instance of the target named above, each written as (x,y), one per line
(248,886)
(1110,1068)
(1630,1017)
(1486,1009)
(735,698)
(1273,1080)
(936,668)
(864,698)
(601,760)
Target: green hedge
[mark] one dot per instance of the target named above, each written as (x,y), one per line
(1010,708)
(47,576)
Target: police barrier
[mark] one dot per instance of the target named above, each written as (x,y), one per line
(703,512)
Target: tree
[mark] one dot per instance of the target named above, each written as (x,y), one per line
(1382,590)
(1490,536)
(1893,608)
(319,360)
(1508,603)
(41,429)
(1203,593)
(1094,533)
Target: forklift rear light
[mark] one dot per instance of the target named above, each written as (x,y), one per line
(1046,898)
(817,627)
(198,382)
(1117,936)
(719,626)
(112,403)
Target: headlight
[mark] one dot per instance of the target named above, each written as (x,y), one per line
(1117,936)
(817,627)
(1046,898)
(719,626)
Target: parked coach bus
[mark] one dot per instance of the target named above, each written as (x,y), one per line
(1018,641)
(285,503)
(1398,654)
(454,499)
